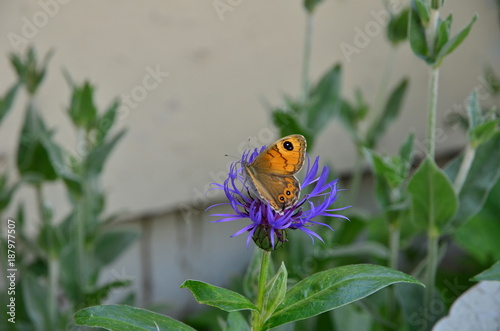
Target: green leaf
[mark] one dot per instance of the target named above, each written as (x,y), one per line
(443,32)
(390,113)
(416,34)
(423,10)
(29,72)
(32,155)
(433,199)
(454,42)
(218,297)
(122,317)
(7,101)
(397,29)
(105,122)
(474,112)
(82,109)
(236,322)
(406,153)
(310,5)
(483,132)
(324,100)
(334,288)
(109,245)
(483,174)
(275,292)
(492,273)
(95,160)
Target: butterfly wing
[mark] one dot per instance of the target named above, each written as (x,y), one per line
(281,192)
(272,172)
(284,157)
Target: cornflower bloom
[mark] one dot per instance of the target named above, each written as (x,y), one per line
(268,228)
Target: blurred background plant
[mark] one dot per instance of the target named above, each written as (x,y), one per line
(59,261)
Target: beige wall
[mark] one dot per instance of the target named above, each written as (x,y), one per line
(219,73)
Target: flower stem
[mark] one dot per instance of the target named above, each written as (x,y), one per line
(257,315)
(431,116)
(306,61)
(469,154)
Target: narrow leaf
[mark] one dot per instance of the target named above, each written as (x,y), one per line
(110,245)
(97,157)
(7,101)
(275,291)
(324,99)
(397,29)
(218,297)
(122,317)
(334,288)
(454,42)
(390,113)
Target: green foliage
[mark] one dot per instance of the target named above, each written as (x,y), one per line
(122,317)
(434,201)
(218,297)
(430,36)
(61,260)
(397,29)
(310,5)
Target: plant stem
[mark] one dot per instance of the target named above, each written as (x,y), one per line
(306,61)
(432,111)
(264,268)
(469,154)
(432,262)
(356,177)
(53,265)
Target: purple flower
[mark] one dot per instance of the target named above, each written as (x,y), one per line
(268,227)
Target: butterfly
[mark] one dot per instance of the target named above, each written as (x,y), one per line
(271,173)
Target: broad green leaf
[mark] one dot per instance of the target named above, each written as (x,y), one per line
(98,156)
(479,236)
(416,35)
(483,175)
(454,42)
(275,292)
(82,109)
(334,288)
(7,101)
(109,245)
(122,317)
(310,5)
(390,113)
(236,322)
(433,199)
(324,100)
(492,273)
(397,29)
(218,297)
